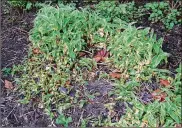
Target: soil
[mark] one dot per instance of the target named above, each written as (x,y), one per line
(15,43)
(95,107)
(14,35)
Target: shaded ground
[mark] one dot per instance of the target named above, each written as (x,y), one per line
(15,27)
(99,104)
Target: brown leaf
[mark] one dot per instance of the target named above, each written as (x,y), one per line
(101,55)
(36,51)
(164,82)
(115,75)
(159,95)
(81,54)
(97,58)
(8,84)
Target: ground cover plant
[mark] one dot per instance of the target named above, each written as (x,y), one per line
(164,13)
(93,67)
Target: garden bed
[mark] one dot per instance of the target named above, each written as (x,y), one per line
(91,92)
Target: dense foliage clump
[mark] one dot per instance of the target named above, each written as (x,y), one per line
(59,36)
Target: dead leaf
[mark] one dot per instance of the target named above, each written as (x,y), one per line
(164,82)
(8,84)
(36,51)
(81,54)
(159,95)
(97,58)
(101,55)
(115,75)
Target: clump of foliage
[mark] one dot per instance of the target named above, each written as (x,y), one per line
(60,33)
(17,3)
(57,37)
(136,52)
(162,12)
(111,10)
(24,4)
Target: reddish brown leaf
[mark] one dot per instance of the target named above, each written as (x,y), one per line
(101,55)
(97,58)
(81,54)
(36,51)
(164,82)
(8,84)
(115,75)
(158,95)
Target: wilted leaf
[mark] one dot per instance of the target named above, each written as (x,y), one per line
(8,84)
(164,82)
(115,75)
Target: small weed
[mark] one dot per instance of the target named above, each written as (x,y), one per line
(6,71)
(63,120)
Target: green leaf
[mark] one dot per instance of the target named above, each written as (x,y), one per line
(174,116)
(156,48)
(157,59)
(28,6)
(162,113)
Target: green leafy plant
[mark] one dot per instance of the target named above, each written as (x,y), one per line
(24,4)
(136,51)
(17,3)
(59,34)
(53,64)
(6,71)
(110,10)
(162,12)
(63,120)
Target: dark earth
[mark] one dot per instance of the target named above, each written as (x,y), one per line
(14,35)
